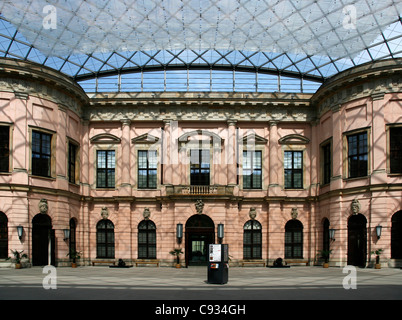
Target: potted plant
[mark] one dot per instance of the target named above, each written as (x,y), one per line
(377,258)
(74,255)
(18,257)
(177,253)
(324,254)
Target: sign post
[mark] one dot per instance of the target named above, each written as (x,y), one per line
(218,266)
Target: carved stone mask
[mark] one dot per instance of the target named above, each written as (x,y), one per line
(43,207)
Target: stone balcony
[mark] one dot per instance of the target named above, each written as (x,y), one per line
(198,190)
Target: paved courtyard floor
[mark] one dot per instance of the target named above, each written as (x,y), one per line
(169,284)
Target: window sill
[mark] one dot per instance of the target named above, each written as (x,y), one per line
(42,177)
(356,178)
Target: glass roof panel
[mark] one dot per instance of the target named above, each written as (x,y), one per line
(308,39)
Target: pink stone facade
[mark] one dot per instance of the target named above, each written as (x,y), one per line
(285,130)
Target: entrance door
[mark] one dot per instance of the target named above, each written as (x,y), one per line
(43,240)
(357,240)
(199,235)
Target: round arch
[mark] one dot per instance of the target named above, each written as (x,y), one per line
(396,235)
(146,240)
(252,240)
(294,239)
(200,233)
(105,247)
(3,235)
(43,240)
(357,240)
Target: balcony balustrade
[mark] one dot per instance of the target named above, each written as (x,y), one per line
(199,190)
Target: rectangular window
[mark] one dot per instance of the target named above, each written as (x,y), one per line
(357,155)
(41,154)
(326,163)
(147,169)
(105,169)
(4,148)
(293,164)
(199,167)
(252,169)
(72,159)
(395,149)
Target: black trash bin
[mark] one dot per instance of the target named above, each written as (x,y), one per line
(218,265)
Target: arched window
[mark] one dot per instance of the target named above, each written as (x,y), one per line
(252,240)
(105,239)
(3,236)
(396,236)
(294,240)
(146,240)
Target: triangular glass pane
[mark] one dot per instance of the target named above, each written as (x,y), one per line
(36,56)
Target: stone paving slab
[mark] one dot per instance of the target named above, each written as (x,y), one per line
(103,283)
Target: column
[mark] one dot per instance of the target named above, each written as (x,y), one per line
(20,159)
(85,159)
(125,186)
(274,160)
(231,153)
(61,149)
(378,143)
(166,153)
(337,149)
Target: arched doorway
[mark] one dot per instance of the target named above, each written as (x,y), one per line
(200,233)
(43,240)
(357,240)
(3,236)
(396,235)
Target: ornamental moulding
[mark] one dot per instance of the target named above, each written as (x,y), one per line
(105,138)
(294,139)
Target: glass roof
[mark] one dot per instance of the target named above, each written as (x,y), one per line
(193,45)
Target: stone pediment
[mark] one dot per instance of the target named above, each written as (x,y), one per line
(105,138)
(294,139)
(204,134)
(254,138)
(145,138)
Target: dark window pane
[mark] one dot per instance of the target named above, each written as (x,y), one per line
(4,148)
(252,240)
(357,155)
(395,150)
(252,169)
(293,164)
(147,169)
(41,154)
(294,239)
(105,239)
(72,156)
(326,151)
(146,240)
(105,169)
(199,167)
